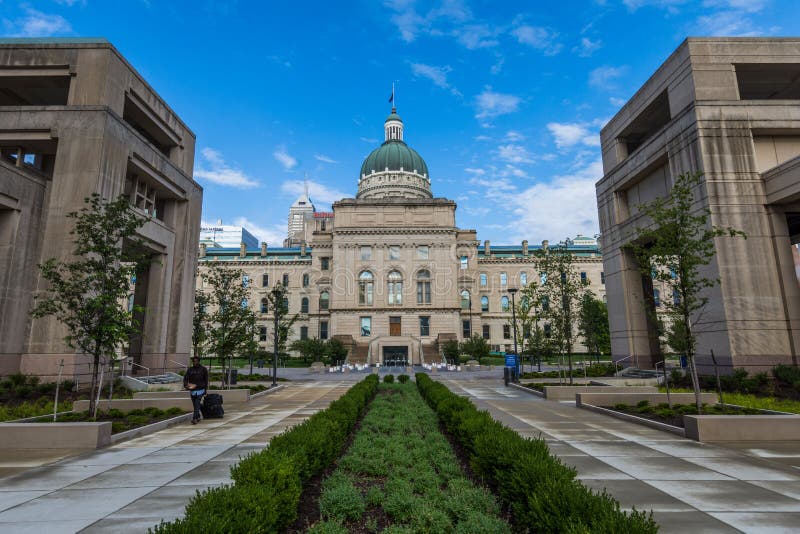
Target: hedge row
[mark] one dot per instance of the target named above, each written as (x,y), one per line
(267,484)
(541,492)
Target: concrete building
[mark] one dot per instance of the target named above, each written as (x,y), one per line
(77,119)
(389,272)
(223,235)
(727,107)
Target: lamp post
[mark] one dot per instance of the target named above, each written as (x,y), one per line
(513,291)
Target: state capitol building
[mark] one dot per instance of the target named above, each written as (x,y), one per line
(389,272)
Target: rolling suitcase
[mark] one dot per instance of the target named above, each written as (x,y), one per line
(212,406)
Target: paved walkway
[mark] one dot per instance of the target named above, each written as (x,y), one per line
(690,486)
(132,486)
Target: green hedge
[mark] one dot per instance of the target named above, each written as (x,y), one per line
(267,484)
(541,492)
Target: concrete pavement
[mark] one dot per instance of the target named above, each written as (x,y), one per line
(690,486)
(132,486)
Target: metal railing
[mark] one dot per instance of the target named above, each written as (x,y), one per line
(616,362)
(132,364)
(179,363)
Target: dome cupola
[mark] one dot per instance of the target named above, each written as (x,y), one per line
(394,169)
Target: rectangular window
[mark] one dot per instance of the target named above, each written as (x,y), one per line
(323,329)
(523,279)
(394,253)
(464,263)
(324,263)
(484,279)
(584,278)
(503,279)
(466,328)
(264,280)
(602,277)
(424,326)
(285,280)
(487,333)
(245,280)
(547,330)
(366,253)
(303,332)
(262,333)
(506,331)
(366,326)
(422,252)
(395,326)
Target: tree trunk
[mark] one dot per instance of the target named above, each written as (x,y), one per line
(569,362)
(94,385)
(695,382)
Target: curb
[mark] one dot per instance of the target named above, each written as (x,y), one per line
(528,390)
(633,419)
(150,429)
(267,391)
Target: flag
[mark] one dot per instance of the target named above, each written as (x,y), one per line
(391,98)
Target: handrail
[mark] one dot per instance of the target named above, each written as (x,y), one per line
(142,366)
(179,363)
(621,360)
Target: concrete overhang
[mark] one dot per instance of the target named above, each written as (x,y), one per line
(782,183)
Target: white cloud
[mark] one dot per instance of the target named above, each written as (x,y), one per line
(410,23)
(317,191)
(616,102)
(217,171)
(588,47)
(476,172)
(491,104)
(284,158)
(514,136)
(437,75)
(514,153)
(603,77)
(669,5)
(325,159)
(34,23)
(730,24)
(272,234)
(750,6)
(474,36)
(538,38)
(568,134)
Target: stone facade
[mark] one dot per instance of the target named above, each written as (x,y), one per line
(77,119)
(727,107)
(386,275)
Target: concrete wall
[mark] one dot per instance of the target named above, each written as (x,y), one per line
(54,435)
(631,399)
(126,405)
(559,393)
(742,427)
(230,396)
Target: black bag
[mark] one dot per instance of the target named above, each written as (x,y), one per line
(212,406)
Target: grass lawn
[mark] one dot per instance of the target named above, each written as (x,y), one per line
(120,421)
(401,475)
(749,400)
(674,416)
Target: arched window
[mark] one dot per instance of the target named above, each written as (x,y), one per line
(485,303)
(424,287)
(305,279)
(657,297)
(395,288)
(264,305)
(504,303)
(523,278)
(466,301)
(503,279)
(285,279)
(545,303)
(244,303)
(324,300)
(524,303)
(676,297)
(304,305)
(365,287)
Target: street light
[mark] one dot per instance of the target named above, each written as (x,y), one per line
(513,290)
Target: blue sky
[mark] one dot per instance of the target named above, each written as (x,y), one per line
(504,100)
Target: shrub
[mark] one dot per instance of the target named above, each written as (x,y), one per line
(268,483)
(535,486)
(403,379)
(340,499)
(388,379)
(114,413)
(788,374)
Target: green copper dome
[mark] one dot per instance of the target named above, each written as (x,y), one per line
(394,155)
(393,116)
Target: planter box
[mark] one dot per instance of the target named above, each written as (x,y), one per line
(631,399)
(54,435)
(742,427)
(231,396)
(183,402)
(567,393)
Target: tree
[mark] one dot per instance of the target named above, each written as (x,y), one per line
(231,323)
(563,289)
(335,351)
(674,250)
(475,347)
(200,322)
(451,351)
(593,325)
(281,324)
(530,312)
(309,349)
(87,292)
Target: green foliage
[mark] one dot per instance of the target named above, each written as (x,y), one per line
(311,349)
(335,351)
(451,351)
(86,292)
(388,379)
(200,322)
(327,527)
(23,410)
(403,379)
(536,487)
(475,347)
(594,370)
(340,499)
(268,483)
(593,324)
(789,375)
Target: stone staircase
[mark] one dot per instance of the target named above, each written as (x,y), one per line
(141,383)
(633,372)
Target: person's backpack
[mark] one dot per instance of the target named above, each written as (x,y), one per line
(212,406)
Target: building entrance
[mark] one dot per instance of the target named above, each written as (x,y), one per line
(395,356)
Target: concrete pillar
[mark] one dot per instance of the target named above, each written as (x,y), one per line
(524,247)
(203,250)
(303,248)
(263,249)
(242,250)
(487,249)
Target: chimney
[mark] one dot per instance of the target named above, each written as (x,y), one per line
(545,245)
(203,248)
(263,249)
(302,249)
(524,247)
(487,249)
(242,250)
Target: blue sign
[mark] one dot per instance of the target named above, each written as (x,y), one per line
(511,360)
